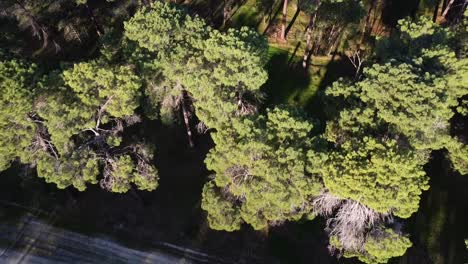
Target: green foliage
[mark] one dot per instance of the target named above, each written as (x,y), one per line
(237,57)
(75,170)
(418,104)
(90,94)
(370,164)
(458,154)
(16,97)
(94,85)
(269,167)
(65,116)
(422,96)
(120,174)
(88,109)
(384,129)
(156,28)
(383,248)
(415,103)
(378,173)
(70,124)
(233,64)
(379,247)
(222,213)
(414,94)
(260,166)
(145,175)
(217,69)
(223,73)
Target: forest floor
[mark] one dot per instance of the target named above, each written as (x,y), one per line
(288,82)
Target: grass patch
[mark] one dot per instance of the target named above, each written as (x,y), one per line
(247,15)
(266,20)
(288,83)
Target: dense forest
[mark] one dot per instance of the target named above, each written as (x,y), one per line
(310,110)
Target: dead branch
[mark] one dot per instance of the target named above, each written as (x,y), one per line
(325,204)
(356,61)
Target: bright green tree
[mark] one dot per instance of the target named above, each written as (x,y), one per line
(69,125)
(378,173)
(84,112)
(385,127)
(381,246)
(233,63)
(222,212)
(77,169)
(217,72)
(458,154)
(423,83)
(261,176)
(16,104)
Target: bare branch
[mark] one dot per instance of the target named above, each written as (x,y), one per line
(326,203)
(101,111)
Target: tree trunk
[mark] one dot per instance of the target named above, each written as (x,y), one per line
(310,28)
(283,20)
(186,118)
(317,44)
(98,28)
(37,29)
(444,5)
(291,23)
(436,11)
(331,39)
(447,9)
(368,16)
(226,11)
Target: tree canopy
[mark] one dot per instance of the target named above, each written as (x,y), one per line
(261,172)
(16,97)
(77,119)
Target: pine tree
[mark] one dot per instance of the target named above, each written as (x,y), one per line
(17,85)
(386,126)
(261,176)
(69,125)
(378,173)
(380,247)
(84,112)
(219,73)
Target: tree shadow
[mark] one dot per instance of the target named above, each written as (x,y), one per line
(338,67)
(395,10)
(272,16)
(288,243)
(210,10)
(249,19)
(293,55)
(267,5)
(291,23)
(237,7)
(284,80)
(213,11)
(439,227)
